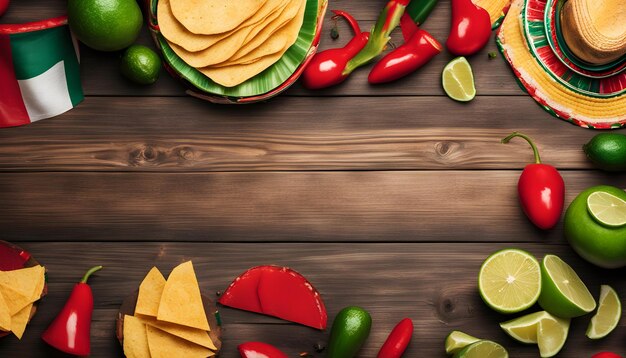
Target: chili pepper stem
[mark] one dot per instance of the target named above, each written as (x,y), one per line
(349,18)
(89,273)
(527,138)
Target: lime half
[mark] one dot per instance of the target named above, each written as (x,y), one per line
(510,281)
(458,80)
(608,315)
(562,292)
(457,340)
(607,209)
(551,335)
(483,349)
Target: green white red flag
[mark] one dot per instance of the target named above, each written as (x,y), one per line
(39,71)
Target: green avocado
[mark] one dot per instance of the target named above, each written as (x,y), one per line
(351,328)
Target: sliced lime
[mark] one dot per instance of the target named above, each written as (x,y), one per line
(510,281)
(483,349)
(607,209)
(562,292)
(524,329)
(458,80)
(551,335)
(608,315)
(457,340)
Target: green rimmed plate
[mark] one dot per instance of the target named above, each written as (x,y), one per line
(534,30)
(268,83)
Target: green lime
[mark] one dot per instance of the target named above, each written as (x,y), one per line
(458,81)
(607,151)
(599,244)
(509,280)
(140,64)
(457,340)
(351,327)
(105,25)
(563,293)
(607,208)
(483,349)
(541,328)
(524,329)
(608,315)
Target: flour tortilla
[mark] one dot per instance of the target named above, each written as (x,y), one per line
(208,17)
(233,75)
(227,47)
(176,33)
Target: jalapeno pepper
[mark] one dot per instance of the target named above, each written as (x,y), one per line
(470,30)
(327,67)
(398,340)
(419,48)
(541,189)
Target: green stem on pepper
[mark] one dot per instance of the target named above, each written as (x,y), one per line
(90,272)
(527,138)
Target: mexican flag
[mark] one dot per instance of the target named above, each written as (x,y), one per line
(39,71)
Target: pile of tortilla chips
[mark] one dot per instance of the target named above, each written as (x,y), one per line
(230,41)
(19,289)
(169,319)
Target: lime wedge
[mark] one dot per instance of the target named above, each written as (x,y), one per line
(551,335)
(608,315)
(524,329)
(562,292)
(509,280)
(457,340)
(483,349)
(458,81)
(607,209)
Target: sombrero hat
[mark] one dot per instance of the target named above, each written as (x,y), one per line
(528,41)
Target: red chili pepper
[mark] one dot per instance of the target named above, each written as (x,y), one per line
(259,350)
(4,5)
(398,340)
(413,54)
(471,28)
(327,67)
(606,355)
(71,329)
(541,190)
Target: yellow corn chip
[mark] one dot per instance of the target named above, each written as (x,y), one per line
(150,292)
(193,335)
(5,315)
(39,286)
(14,300)
(181,302)
(165,345)
(23,281)
(19,321)
(135,338)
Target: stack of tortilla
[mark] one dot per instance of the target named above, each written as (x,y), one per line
(230,41)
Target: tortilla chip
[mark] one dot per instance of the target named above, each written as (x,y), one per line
(135,338)
(209,17)
(181,302)
(15,301)
(150,292)
(193,335)
(20,320)
(163,344)
(5,315)
(23,281)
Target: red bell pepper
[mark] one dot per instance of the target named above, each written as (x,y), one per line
(326,67)
(71,330)
(398,340)
(470,30)
(420,48)
(541,190)
(606,355)
(259,350)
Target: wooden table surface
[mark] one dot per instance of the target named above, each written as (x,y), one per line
(387,197)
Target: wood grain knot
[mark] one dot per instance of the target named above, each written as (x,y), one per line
(453,305)
(146,154)
(446,148)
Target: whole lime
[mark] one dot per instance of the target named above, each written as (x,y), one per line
(602,245)
(140,64)
(607,151)
(105,25)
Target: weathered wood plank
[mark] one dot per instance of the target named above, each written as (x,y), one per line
(454,206)
(101,75)
(183,134)
(430,283)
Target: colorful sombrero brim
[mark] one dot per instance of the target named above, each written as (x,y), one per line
(582,110)
(497,9)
